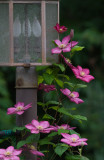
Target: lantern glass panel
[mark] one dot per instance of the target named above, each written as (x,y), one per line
(27,33)
(4,33)
(51,34)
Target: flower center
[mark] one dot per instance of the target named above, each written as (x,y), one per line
(62,127)
(62,46)
(8,153)
(19,108)
(40,127)
(73,139)
(72,95)
(32,147)
(82,73)
(60,29)
(68,60)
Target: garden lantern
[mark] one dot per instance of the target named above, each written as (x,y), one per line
(26,34)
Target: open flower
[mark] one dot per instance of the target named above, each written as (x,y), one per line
(63,46)
(63,126)
(36,127)
(60,29)
(82,74)
(73,96)
(18,108)
(46,87)
(10,153)
(73,140)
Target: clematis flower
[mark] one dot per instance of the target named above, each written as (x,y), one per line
(36,127)
(82,74)
(32,149)
(60,29)
(10,153)
(63,46)
(46,87)
(63,126)
(73,96)
(73,140)
(67,61)
(18,108)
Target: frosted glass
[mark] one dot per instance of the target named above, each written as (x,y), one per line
(4,33)
(51,34)
(27,33)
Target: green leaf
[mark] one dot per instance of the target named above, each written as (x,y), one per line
(62,131)
(76,157)
(65,111)
(70,84)
(33,138)
(18,128)
(78,117)
(54,108)
(49,71)
(46,141)
(52,134)
(48,78)
(53,102)
(40,79)
(64,76)
(59,82)
(59,150)
(20,144)
(41,104)
(80,86)
(61,66)
(39,68)
(47,116)
(77,48)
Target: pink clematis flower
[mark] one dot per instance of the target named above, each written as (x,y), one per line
(63,46)
(73,140)
(73,96)
(10,153)
(36,127)
(46,87)
(63,126)
(18,108)
(60,29)
(82,74)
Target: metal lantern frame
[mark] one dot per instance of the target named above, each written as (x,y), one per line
(43,33)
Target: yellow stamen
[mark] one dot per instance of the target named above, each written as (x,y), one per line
(19,108)
(72,95)
(82,73)
(73,139)
(8,153)
(40,127)
(62,46)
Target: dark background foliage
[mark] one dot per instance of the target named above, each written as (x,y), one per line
(87,19)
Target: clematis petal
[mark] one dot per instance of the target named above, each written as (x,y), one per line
(86,71)
(65,135)
(17,152)
(35,131)
(66,39)
(66,49)
(35,123)
(73,43)
(75,136)
(44,124)
(76,94)
(36,153)
(20,112)
(88,78)
(2,151)
(29,126)
(10,149)
(65,91)
(58,42)
(65,141)
(56,50)
(27,106)
(11,110)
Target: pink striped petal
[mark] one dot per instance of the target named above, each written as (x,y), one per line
(27,106)
(73,43)
(20,112)
(65,91)
(29,126)
(11,110)
(66,49)
(17,152)
(36,153)
(56,50)
(58,42)
(44,124)
(35,123)
(66,40)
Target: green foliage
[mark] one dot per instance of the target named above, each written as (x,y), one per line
(60,149)
(76,48)
(76,157)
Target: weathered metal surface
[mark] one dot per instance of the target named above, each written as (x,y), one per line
(26,91)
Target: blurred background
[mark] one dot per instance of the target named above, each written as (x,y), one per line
(87,20)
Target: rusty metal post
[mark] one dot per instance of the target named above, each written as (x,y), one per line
(26,91)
